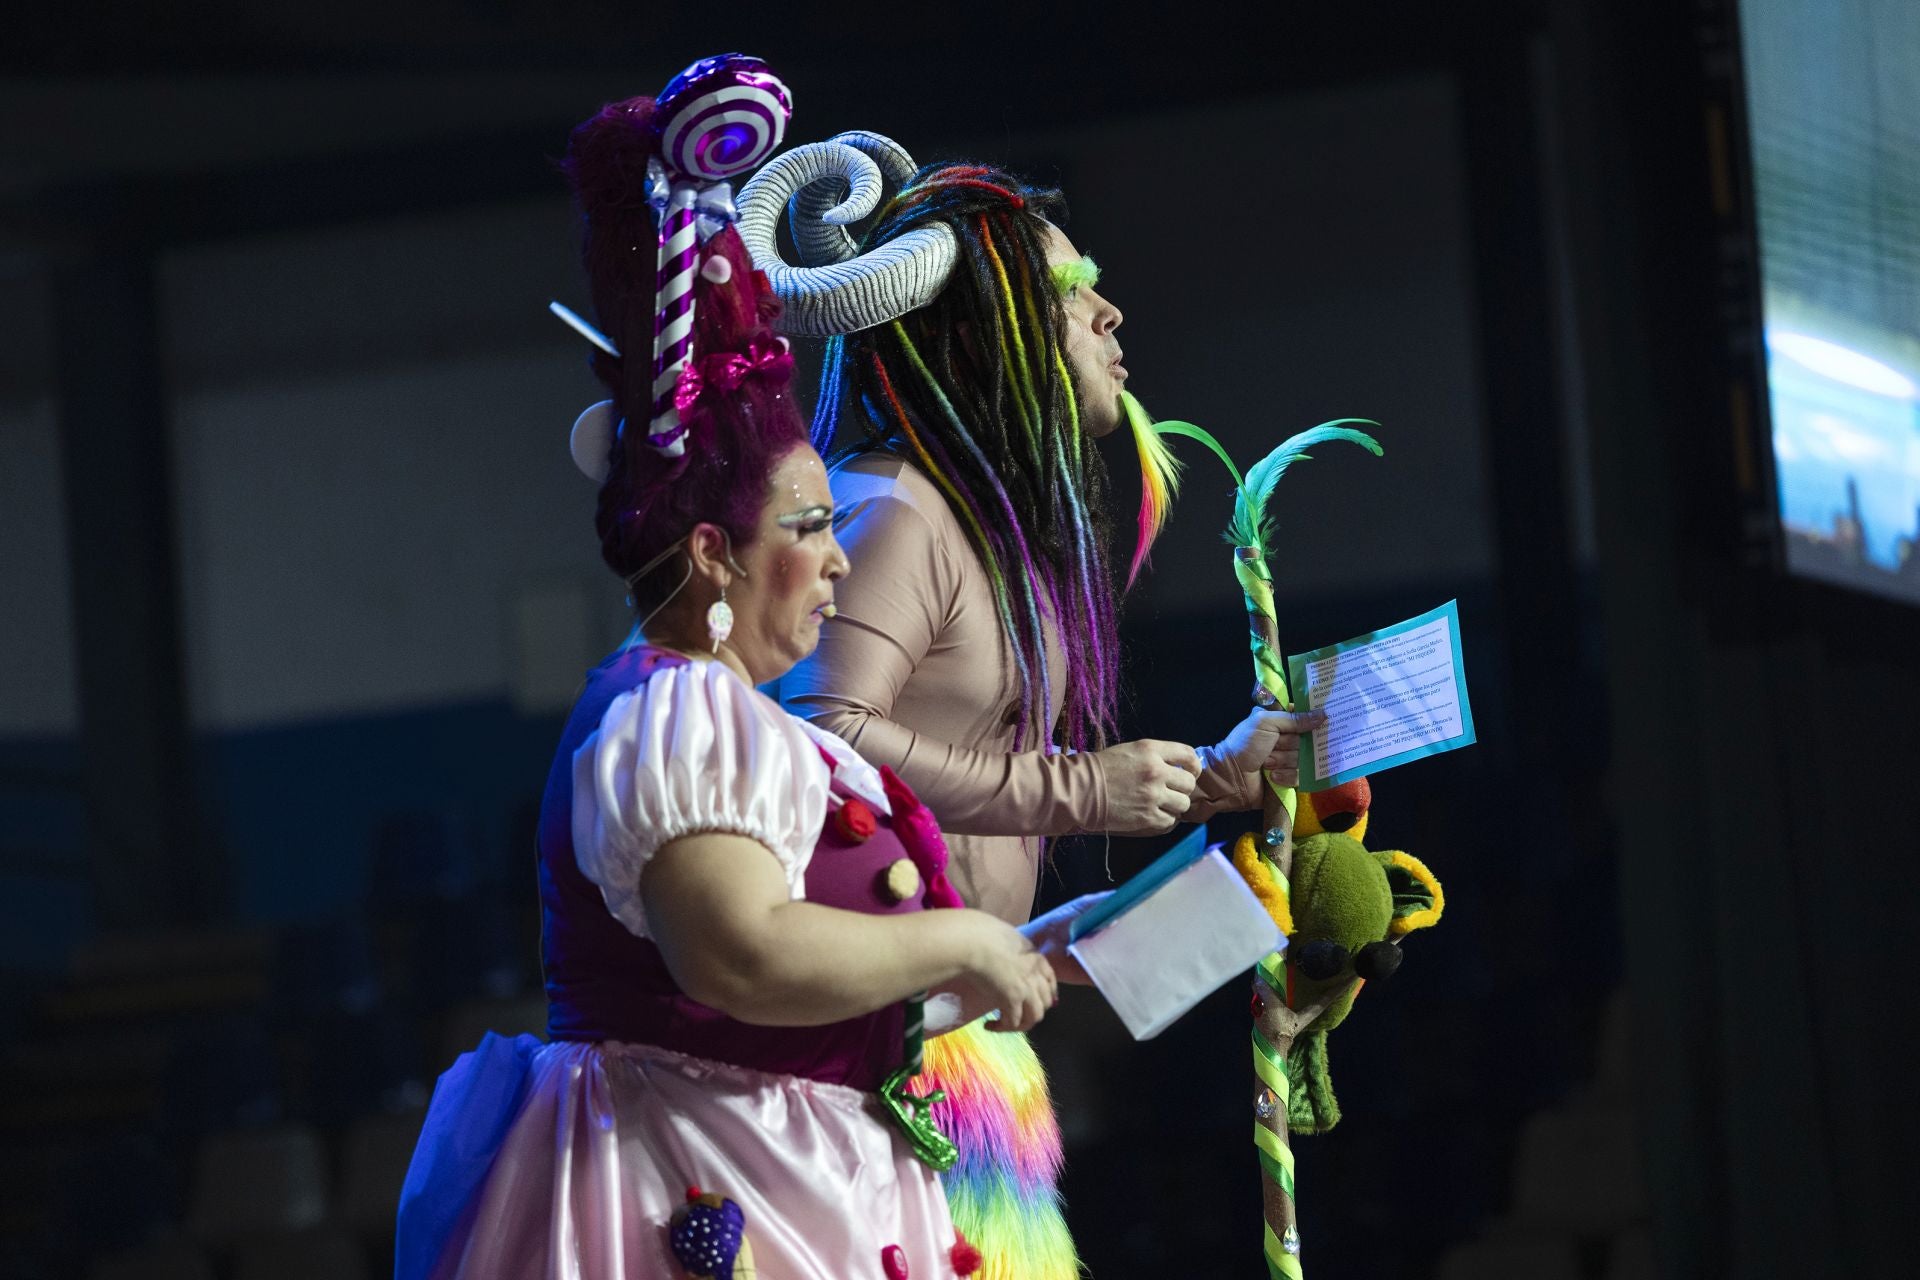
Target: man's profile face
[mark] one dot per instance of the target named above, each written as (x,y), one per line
(1093,349)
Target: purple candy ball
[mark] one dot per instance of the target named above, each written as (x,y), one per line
(722,116)
(706,1238)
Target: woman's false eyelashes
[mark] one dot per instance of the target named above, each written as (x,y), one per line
(815,519)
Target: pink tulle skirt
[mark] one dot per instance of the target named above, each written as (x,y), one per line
(566,1161)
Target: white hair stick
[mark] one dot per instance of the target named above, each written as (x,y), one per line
(581,327)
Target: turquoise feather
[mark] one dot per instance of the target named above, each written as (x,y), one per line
(1251,526)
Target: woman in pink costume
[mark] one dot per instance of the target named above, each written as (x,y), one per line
(738,935)
(971,365)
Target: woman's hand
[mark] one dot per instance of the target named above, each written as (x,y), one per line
(1008,971)
(1048,934)
(1266,741)
(1149,785)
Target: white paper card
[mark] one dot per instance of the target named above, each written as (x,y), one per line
(1171,949)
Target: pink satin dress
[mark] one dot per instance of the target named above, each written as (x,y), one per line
(566,1160)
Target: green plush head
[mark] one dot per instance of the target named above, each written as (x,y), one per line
(1348,903)
(1341,904)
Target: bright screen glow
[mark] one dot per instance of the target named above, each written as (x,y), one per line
(1833,97)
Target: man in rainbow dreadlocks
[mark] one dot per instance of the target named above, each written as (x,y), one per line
(971,364)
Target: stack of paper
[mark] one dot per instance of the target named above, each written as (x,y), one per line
(1171,935)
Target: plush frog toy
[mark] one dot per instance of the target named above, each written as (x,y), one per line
(1343,911)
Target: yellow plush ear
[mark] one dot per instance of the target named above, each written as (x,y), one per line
(1417,897)
(1265,882)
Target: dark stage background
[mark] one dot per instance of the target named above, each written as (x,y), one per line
(298,580)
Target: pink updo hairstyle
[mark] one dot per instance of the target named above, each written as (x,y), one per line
(734,437)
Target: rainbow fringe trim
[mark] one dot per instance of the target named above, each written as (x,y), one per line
(1003,1191)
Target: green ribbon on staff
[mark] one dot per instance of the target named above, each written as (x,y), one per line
(1276,1157)
(1270,1066)
(1280,1263)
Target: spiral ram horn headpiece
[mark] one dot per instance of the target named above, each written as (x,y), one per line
(825,187)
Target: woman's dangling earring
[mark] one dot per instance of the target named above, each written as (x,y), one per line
(720,619)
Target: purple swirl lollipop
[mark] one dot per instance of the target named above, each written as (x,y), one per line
(722,116)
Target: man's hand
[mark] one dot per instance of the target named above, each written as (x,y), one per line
(1265,741)
(1149,785)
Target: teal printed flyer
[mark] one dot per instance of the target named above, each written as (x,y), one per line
(1390,696)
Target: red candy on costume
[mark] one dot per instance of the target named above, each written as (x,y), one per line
(966,1258)
(893,1259)
(855,821)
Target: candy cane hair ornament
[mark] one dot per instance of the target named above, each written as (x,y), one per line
(719,118)
(698,407)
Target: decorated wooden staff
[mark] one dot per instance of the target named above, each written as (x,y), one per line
(1275,1023)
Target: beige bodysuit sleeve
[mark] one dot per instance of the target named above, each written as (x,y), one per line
(893,611)
(1221,788)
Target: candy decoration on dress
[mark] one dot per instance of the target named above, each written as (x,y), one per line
(965,1258)
(920,836)
(900,881)
(717,119)
(708,1238)
(893,1261)
(854,821)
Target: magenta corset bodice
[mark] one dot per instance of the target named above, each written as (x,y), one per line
(604,983)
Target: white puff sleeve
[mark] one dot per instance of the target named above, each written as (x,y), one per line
(695,749)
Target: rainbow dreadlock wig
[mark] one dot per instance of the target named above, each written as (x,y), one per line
(946,344)
(946,330)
